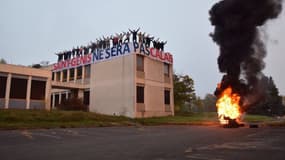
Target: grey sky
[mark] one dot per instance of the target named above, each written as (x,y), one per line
(33,30)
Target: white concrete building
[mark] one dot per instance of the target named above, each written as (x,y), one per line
(129,79)
(134,83)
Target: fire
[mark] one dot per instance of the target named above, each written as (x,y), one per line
(228,106)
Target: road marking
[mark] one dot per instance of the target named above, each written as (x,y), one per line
(47,135)
(27,134)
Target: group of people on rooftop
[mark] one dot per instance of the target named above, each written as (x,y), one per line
(113,41)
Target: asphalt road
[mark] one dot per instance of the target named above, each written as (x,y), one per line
(144,143)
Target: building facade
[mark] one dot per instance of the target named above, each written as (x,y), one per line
(134,83)
(130,79)
(24,87)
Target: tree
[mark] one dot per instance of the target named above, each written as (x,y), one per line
(209,103)
(197,105)
(3,61)
(184,92)
(271,102)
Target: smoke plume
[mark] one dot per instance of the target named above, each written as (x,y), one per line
(242,50)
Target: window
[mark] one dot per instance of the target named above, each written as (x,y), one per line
(3,81)
(167,97)
(71,74)
(166,69)
(64,78)
(86,97)
(52,78)
(140,63)
(140,94)
(18,88)
(58,76)
(87,71)
(38,90)
(79,72)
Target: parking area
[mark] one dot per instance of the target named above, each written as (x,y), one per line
(144,143)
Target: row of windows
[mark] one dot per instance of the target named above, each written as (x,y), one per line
(18,88)
(140,95)
(72,74)
(140,65)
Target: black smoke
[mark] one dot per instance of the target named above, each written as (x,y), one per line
(237,31)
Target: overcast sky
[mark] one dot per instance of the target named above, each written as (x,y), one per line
(33,30)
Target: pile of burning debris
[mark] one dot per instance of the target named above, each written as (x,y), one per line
(238,25)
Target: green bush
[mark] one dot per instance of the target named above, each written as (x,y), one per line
(73,104)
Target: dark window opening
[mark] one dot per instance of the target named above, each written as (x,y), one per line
(140,94)
(166,69)
(58,76)
(56,100)
(71,74)
(3,83)
(86,96)
(87,71)
(18,88)
(79,72)
(64,78)
(166,97)
(63,97)
(140,63)
(38,90)
(53,74)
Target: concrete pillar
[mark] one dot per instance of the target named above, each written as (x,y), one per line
(55,76)
(53,100)
(83,74)
(28,93)
(75,75)
(59,98)
(80,93)
(68,74)
(61,76)
(8,87)
(47,94)
(66,95)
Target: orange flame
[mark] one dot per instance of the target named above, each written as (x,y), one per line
(228,106)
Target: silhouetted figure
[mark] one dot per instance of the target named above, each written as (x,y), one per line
(73,52)
(134,32)
(106,42)
(141,37)
(115,40)
(127,36)
(93,47)
(77,51)
(161,45)
(120,36)
(69,54)
(156,44)
(86,50)
(60,56)
(148,39)
(65,55)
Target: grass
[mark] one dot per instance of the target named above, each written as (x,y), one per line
(20,119)
(29,119)
(190,119)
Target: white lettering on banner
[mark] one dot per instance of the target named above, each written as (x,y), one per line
(100,55)
(72,63)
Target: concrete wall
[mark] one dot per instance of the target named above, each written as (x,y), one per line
(155,83)
(112,87)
